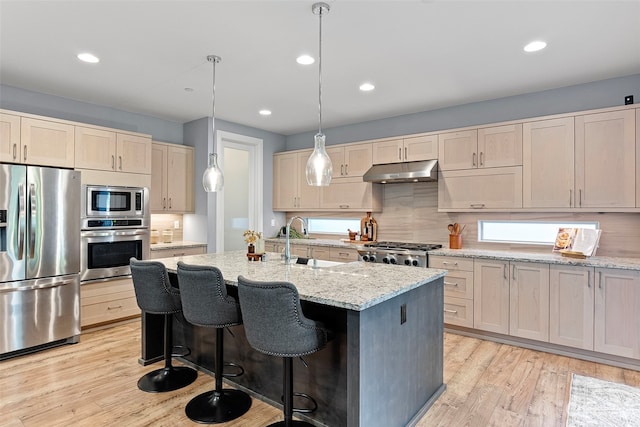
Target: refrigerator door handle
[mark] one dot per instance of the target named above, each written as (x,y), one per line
(35,286)
(21,221)
(32,221)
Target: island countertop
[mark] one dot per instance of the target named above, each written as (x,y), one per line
(355,285)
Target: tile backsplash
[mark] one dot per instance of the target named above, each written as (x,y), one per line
(162,222)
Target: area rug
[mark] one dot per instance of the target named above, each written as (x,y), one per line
(600,403)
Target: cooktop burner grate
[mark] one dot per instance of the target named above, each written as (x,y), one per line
(403,245)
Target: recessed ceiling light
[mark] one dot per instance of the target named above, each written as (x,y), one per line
(87,57)
(535,46)
(305,60)
(265,112)
(366,87)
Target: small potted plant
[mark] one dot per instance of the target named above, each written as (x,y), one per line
(251,237)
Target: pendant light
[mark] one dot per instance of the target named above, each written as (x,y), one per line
(212,179)
(319,167)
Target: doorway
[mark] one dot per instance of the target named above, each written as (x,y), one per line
(240,203)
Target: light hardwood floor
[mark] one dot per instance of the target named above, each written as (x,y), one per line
(93,383)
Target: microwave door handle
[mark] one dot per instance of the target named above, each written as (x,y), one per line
(33,220)
(21,221)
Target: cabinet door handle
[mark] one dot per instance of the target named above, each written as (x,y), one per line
(169,202)
(120,158)
(24,153)
(446,310)
(113,162)
(341,170)
(114,307)
(473,160)
(514,272)
(570,197)
(481,158)
(447,263)
(15,150)
(588,278)
(346,169)
(580,197)
(399,153)
(477,205)
(164,203)
(406,156)
(600,279)
(344,206)
(455,284)
(505,270)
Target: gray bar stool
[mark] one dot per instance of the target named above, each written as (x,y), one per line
(155,295)
(274,324)
(205,303)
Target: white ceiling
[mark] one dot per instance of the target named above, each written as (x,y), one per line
(421,55)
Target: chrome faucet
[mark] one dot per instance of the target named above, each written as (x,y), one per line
(287,247)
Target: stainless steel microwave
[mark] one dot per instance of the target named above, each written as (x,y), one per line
(114,202)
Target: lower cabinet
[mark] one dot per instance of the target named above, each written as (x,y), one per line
(571,302)
(178,251)
(617,312)
(105,302)
(325,253)
(587,308)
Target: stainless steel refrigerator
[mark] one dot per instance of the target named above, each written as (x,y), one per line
(39,258)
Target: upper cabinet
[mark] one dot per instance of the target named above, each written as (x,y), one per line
(350,160)
(481,148)
(290,189)
(604,160)
(172,181)
(10,146)
(491,188)
(36,142)
(410,149)
(582,162)
(101,149)
(638,157)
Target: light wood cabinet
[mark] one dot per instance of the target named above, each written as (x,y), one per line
(105,302)
(351,194)
(617,308)
(349,160)
(529,300)
(458,289)
(343,254)
(47,143)
(490,188)
(637,157)
(548,163)
(491,296)
(290,189)
(410,149)
(177,251)
(101,149)
(10,146)
(489,147)
(571,302)
(604,166)
(172,181)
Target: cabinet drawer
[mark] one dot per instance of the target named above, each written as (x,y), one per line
(109,311)
(321,253)
(458,311)
(344,255)
(459,285)
(451,263)
(171,252)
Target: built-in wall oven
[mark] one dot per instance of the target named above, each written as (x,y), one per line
(114,228)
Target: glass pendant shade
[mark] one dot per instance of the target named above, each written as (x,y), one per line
(212,179)
(319,167)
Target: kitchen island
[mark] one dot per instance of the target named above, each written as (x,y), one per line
(384,365)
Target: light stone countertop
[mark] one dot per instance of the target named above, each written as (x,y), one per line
(355,285)
(177,244)
(550,258)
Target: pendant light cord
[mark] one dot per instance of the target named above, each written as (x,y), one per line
(320,13)
(214,59)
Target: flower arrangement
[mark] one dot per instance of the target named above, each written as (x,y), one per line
(251,236)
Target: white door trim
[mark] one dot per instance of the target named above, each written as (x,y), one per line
(255,148)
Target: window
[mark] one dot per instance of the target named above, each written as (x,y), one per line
(528,232)
(333,225)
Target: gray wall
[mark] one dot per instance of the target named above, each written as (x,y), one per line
(26,101)
(600,94)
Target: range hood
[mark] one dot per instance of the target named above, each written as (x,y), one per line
(403,172)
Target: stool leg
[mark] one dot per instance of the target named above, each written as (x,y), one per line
(220,405)
(287,382)
(168,378)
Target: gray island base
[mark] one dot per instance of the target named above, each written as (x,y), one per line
(384,366)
